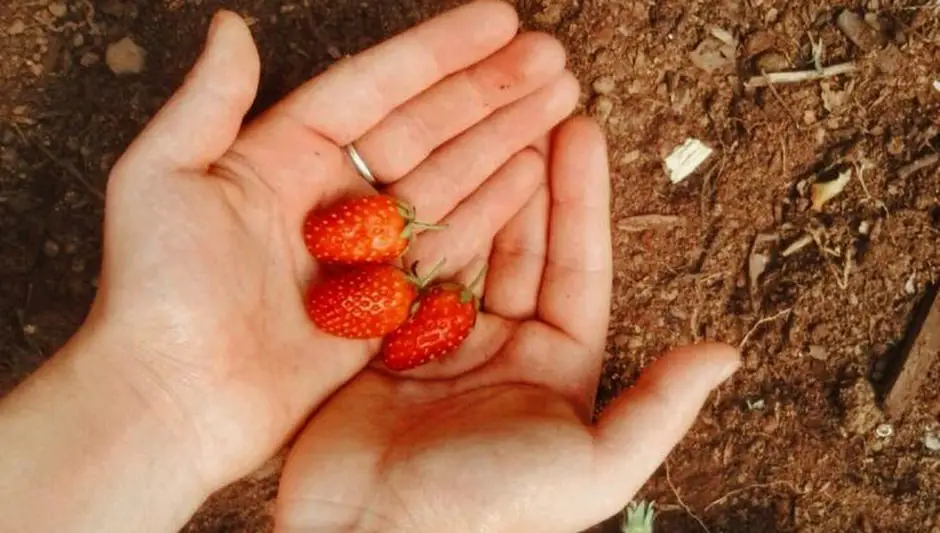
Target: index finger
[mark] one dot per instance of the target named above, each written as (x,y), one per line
(576,285)
(349,99)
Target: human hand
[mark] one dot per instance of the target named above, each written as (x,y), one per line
(498,438)
(200,302)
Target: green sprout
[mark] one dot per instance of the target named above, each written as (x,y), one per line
(638,518)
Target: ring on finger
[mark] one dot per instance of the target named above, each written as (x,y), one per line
(360,164)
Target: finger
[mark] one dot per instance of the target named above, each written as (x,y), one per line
(576,287)
(518,260)
(351,98)
(637,432)
(458,168)
(469,230)
(202,119)
(409,134)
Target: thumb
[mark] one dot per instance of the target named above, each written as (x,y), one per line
(201,121)
(636,433)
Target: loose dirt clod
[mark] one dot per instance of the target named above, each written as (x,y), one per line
(58,9)
(16,28)
(857,30)
(125,57)
(712,55)
(862,415)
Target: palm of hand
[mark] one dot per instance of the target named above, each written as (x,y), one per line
(204,270)
(236,364)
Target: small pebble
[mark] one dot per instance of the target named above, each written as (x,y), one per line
(16,28)
(125,57)
(884,431)
(771,61)
(630,157)
(30,329)
(51,248)
(36,69)
(932,442)
(604,85)
(78,265)
(58,9)
(78,41)
(818,352)
(603,107)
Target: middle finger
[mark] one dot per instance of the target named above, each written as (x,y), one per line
(458,168)
(408,135)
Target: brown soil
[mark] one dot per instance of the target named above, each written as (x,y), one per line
(791,444)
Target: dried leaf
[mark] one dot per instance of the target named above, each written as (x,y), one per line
(823,192)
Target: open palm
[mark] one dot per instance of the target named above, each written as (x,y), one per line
(205,266)
(498,438)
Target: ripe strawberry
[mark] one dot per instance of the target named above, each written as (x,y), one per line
(444,318)
(372,229)
(367,302)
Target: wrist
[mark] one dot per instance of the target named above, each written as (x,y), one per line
(89,451)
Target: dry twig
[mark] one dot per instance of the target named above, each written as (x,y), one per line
(735,492)
(801,75)
(760,323)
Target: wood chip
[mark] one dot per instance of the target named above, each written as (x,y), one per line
(822,192)
(686,158)
(918,354)
(641,223)
(798,245)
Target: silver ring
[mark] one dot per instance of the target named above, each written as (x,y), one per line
(360,164)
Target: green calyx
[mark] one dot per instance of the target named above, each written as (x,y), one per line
(409,213)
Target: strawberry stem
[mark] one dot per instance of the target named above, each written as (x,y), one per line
(423,281)
(426,226)
(467,294)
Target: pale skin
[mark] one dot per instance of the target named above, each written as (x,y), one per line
(197,362)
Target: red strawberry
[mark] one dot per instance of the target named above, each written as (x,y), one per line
(372,229)
(367,302)
(444,319)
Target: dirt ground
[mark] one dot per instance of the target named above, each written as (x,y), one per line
(796,442)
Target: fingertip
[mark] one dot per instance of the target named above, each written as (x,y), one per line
(231,40)
(547,52)
(586,132)
(499,14)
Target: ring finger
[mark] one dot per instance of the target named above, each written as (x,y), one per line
(406,137)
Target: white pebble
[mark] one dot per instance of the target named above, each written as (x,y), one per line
(125,57)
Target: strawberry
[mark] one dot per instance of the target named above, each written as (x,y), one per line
(364,303)
(372,229)
(444,318)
